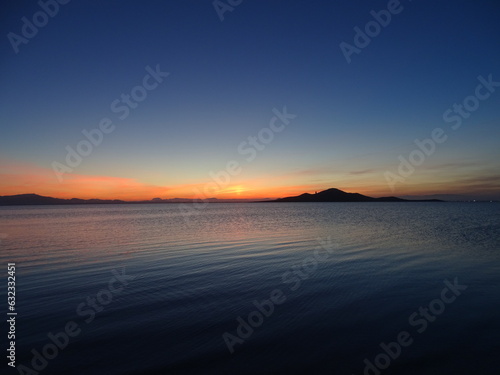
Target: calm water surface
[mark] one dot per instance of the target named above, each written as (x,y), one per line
(346,277)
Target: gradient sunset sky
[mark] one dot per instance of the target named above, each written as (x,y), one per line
(353,120)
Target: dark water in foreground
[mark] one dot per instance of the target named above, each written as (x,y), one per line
(181,287)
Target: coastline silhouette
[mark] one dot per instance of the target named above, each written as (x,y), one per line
(329,195)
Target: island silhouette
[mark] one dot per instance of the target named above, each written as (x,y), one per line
(329,195)
(336,195)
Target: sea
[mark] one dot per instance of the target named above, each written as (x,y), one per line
(251,288)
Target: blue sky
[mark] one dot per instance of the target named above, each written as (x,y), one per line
(353,119)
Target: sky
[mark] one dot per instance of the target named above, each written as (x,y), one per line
(249,99)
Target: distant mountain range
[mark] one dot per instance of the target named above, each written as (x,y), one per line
(330,195)
(336,195)
(35,199)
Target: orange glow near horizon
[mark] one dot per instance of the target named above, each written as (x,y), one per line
(25,178)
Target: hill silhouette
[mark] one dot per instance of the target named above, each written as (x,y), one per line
(35,199)
(336,195)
